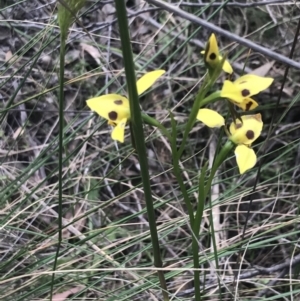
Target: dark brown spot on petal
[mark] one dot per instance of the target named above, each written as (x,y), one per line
(212,56)
(238,126)
(250,134)
(118,102)
(244,81)
(245,92)
(112,115)
(249,105)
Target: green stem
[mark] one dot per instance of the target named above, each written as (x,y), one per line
(223,154)
(137,128)
(215,249)
(152,121)
(195,250)
(177,172)
(195,234)
(60,151)
(211,98)
(203,192)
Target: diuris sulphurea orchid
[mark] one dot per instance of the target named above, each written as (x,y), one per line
(241,132)
(115,108)
(212,57)
(240,91)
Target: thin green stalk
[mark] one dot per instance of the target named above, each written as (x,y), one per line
(195,235)
(176,168)
(195,250)
(223,154)
(219,160)
(137,128)
(203,192)
(211,98)
(67,11)
(177,171)
(60,152)
(214,246)
(152,121)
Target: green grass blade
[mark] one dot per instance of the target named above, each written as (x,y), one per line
(137,129)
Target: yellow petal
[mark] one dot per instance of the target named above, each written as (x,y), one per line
(245,86)
(210,118)
(230,91)
(118,131)
(247,104)
(253,83)
(147,80)
(245,158)
(247,131)
(112,107)
(211,55)
(226,66)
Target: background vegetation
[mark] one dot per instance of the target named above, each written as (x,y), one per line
(106,252)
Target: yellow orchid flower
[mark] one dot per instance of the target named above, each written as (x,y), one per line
(240,91)
(212,56)
(115,108)
(241,132)
(246,130)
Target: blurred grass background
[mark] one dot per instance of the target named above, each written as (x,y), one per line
(106,252)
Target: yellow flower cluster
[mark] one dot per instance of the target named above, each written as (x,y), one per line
(115,108)
(243,132)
